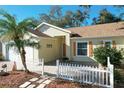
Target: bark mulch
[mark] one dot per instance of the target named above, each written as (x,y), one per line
(60,83)
(15,79)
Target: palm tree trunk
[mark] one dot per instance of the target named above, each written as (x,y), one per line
(23,58)
(22,54)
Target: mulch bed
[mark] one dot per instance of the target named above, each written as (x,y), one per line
(60,83)
(15,79)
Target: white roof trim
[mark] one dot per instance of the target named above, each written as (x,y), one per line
(44,23)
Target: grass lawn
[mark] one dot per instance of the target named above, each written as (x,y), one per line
(15,79)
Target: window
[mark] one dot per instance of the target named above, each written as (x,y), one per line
(82,48)
(107,44)
(49,45)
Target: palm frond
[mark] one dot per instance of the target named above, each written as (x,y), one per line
(7,25)
(30,43)
(7,16)
(26,23)
(34,38)
(24,26)
(4,24)
(11,44)
(27,42)
(11,31)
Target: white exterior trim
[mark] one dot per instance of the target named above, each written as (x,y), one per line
(87,49)
(43,23)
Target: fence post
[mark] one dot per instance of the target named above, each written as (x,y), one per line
(42,61)
(111,76)
(111,69)
(108,61)
(57,64)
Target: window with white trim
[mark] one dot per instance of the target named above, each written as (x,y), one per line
(107,44)
(81,48)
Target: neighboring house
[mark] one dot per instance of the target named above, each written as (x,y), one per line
(75,43)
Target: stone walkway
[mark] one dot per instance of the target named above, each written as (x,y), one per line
(40,82)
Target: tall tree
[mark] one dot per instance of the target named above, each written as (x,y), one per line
(105,17)
(53,17)
(14,32)
(64,20)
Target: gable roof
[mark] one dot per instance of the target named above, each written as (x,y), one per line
(38,33)
(43,23)
(101,30)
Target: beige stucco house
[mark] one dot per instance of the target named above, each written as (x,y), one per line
(75,43)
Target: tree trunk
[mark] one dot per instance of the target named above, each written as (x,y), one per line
(22,54)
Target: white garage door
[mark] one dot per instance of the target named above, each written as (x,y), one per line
(12,55)
(31,55)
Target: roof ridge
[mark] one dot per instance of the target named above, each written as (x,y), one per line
(96,25)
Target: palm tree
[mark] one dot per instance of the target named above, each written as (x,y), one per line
(14,32)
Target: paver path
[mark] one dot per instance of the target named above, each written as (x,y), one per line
(40,82)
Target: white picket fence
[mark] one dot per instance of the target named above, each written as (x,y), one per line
(86,74)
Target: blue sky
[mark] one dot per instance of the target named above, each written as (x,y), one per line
(24,11)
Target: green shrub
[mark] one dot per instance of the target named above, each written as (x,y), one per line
(101,54)
(65,59)
(117,77)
